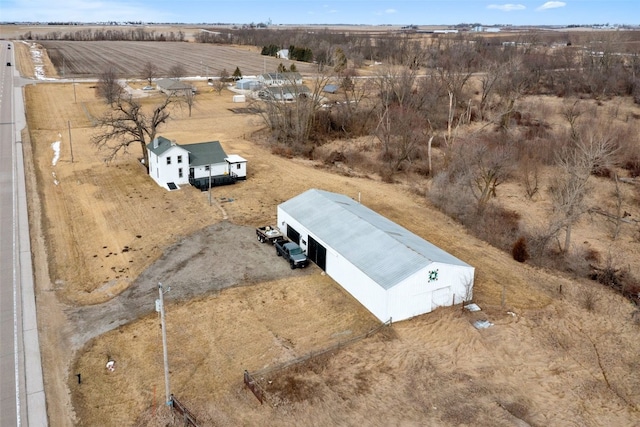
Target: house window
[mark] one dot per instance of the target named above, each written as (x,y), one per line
(168,160)
(179,159)
(238,166)
(179,172)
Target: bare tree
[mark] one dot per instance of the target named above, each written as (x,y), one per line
(291,121)
(488,82)
(177,71)
(149,71)
(515,82)
(127,124)
(530,173)
(351,113)
(455,67)
(189,99)
(401,132)
(487,168)
(108,86)
(569,189)
(221,82)
(572,112)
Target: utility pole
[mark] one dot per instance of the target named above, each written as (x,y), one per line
(70,144)
(167,388)
(209,185)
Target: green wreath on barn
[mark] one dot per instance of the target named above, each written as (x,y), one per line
(433,275)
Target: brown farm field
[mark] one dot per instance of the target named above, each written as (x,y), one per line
(560,352)
(90,59)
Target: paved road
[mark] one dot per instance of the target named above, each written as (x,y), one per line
(9,351)
(22,401)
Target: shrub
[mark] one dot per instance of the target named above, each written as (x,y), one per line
(519,250)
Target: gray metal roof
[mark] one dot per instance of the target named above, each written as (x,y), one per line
(172,84)
(383,250)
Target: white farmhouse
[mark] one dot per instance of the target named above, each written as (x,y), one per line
(171,165)
(394,273)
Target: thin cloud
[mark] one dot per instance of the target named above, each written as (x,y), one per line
(552,5)
(506,7)
(386,12)
(81,11)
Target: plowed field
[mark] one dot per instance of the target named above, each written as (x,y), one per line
(90,59)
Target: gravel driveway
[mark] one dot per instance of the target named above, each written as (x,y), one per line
(220,256)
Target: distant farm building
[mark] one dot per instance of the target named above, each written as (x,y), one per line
(280,79)
(330,88)
(174,87)
(200,164)
(284,93)
(248,84)
(389,270)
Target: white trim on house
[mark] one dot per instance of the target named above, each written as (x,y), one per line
(170,162)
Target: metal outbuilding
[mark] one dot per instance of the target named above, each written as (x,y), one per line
(391,271)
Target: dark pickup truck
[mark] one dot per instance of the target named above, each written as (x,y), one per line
(291,252)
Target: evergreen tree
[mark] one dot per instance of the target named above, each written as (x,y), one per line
(237,75)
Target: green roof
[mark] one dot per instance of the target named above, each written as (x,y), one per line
(200,154)
(205,153)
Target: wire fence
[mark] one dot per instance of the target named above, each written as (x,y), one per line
(253,385)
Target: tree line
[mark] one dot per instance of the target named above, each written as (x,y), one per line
(108,34)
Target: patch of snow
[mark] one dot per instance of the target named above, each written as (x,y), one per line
(38,64)
(472,307)
(56,152)
(55,181)
(482,324)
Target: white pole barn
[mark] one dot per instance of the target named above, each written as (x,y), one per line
(394,273)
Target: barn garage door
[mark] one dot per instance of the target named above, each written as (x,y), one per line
(441,297)
(317,253)
(292,234)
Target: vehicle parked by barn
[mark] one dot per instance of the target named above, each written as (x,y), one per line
(268,233)
(291,252)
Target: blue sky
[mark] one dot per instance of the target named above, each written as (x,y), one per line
(368,12)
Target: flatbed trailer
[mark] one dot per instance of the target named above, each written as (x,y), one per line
(268,233)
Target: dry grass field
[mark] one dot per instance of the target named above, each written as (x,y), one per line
(566,358)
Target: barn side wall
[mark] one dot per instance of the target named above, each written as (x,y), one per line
(437,285)
(371,295)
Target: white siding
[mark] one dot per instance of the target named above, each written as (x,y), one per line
(162,173)
(437,284)
(216,170)
(360,286)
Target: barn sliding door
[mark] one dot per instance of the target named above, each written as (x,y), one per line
(317,253)
(293,235)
